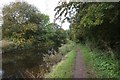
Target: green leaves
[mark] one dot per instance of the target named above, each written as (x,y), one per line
(105,67)
(29,28)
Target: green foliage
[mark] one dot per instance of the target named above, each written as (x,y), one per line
(67,47)
(64,68)
(28,28)
(22,23)
(102,65)
(56,35)
(96,23)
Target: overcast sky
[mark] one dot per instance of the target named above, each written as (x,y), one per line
(45,6)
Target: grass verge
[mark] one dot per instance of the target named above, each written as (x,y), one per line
(64,68)
(98,64)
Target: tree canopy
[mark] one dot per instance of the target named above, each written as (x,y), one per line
(95,24)
(27,27)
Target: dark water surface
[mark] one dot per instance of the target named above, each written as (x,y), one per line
(15,64)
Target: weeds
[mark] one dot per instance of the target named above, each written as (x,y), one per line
(65,67)
(67,47)
(102,65)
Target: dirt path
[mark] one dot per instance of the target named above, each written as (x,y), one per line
(79,69)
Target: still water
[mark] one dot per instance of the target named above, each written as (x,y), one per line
(25,63)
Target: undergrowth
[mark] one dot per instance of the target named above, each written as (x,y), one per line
(64,68)
(102,65)
(67,47)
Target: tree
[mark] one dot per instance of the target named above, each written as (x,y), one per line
(27,28)
(58,35)
(95,24)
(23,24)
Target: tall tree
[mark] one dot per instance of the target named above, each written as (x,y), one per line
(96,24)
(23,24)
(27,27)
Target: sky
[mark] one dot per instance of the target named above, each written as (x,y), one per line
(45,6)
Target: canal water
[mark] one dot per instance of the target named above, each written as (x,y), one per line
(25,63)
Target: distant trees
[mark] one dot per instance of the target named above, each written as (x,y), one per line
(95,24)
(27,28)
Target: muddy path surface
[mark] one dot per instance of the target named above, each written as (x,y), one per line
(79,67)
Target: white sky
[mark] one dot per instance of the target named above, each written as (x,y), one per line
(45,6)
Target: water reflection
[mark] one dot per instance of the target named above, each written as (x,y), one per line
(18,63)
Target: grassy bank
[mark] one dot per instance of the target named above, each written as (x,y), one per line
(98,65)
(65,67)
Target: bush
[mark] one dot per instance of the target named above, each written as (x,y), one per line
(67,47)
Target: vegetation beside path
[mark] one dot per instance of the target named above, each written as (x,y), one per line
(98,64)
(65,67)
(31,40)
(93,25)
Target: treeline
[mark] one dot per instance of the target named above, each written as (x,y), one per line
(25,27)
(93,24)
